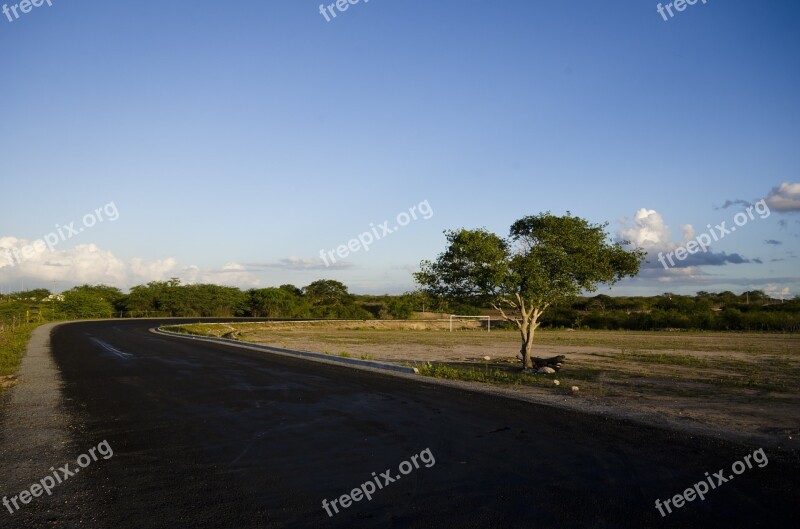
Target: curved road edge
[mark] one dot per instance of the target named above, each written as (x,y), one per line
(317,357)
(587,407)
(37,431)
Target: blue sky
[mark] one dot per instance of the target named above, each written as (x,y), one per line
(238,140)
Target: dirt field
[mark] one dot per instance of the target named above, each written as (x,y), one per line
(730,384)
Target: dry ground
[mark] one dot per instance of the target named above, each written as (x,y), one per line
(734,384)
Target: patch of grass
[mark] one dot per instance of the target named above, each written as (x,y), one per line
(12,347)
(187,329)
(505,376)
(749,382)
(495,376)
(663,358)
(345,354)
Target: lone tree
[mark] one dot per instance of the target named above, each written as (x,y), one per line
(546,259)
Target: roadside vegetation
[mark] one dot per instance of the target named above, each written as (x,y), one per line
(18,319)
(602,360)
(752,311)
(13,341)
(545,260)
(676,369)
(504,375)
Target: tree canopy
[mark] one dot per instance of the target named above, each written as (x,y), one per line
(545,259)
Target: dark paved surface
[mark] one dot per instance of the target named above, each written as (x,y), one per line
(209,436)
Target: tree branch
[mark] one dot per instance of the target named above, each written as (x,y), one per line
(505,316)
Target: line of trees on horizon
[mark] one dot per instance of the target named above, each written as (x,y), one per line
(324,298)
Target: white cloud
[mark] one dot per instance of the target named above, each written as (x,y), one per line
(84,263)
(21,260)
(154,270)
(785,197)
(648,230)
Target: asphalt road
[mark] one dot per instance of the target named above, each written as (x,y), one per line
(205,435)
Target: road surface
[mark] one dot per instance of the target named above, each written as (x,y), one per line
(205,435)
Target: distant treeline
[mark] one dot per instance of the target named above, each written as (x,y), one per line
(725,311)
(320,299)
(750,311)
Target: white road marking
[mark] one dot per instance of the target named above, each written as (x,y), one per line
(111,349)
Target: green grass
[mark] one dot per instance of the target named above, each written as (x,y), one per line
(480,374)
(506,376)
(194,330)
(663,358)
(12,347)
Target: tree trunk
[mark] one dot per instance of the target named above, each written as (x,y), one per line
(527,329)
(525,351)
(527,324)
(527,344)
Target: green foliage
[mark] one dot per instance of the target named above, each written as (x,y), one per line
(170,298)
(475,267)
(145,298)
(751,311)
(277,303)
(292,290)
(13,342)
(36,294)
(546,259)
(560,257)
(85,302)
(400,308)
(724,311)
(113,295)
(327,292)
(503,376)
(462,309)
(330,299)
